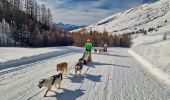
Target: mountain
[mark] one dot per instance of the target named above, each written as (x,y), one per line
(149,1)
(69,27)
(144,16)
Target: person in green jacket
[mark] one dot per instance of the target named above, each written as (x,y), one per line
(88,47)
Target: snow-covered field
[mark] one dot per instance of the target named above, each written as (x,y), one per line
(8,54)
(114,75)
(12,53)
(11,58)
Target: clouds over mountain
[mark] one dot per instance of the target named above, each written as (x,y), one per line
(87,11)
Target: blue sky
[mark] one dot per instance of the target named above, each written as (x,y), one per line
(85,12)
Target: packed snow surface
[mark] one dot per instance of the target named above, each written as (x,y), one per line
(114,75)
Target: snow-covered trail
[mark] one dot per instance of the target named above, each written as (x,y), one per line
(114,75)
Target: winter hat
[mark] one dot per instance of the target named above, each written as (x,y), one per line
(88,40)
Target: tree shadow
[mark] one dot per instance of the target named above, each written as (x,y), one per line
(4,83)
(117,55)
(70,94)
(77,79)
(80,78)
(93,64)
(67,94)
(54,95)
(93,78)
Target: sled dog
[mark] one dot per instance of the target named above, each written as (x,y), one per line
(78,67)
(50,81)
(95,50)
(62,67)
(101,50)
(81,60)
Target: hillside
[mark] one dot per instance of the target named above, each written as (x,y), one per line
(29,24)
(144,16)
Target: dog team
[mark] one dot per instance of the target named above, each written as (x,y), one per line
(63,68)
(57,79)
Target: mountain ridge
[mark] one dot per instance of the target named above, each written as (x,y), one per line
(69,27)
(144,16)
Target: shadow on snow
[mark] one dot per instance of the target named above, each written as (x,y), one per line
(93,64)
(80,78)
(108,54)
(68,94)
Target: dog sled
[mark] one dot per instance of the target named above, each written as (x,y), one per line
(86,57)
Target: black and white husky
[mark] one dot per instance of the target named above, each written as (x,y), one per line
(50,81)
(78,67)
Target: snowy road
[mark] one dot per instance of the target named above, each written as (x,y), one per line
(114,75)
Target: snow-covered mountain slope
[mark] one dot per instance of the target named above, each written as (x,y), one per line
(149,1)
(69,27)
(144,16)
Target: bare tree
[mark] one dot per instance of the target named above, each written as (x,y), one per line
(17,3)
(49,17)
(44,14)
(39,13)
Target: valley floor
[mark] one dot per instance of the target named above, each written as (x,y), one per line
(114,75)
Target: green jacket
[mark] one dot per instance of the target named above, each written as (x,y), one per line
(88,46)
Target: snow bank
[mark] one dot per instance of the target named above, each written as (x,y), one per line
(13,53)
(156,51)
(20,56)
(162,76)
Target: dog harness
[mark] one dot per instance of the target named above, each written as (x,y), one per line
(56,76)
(53,80)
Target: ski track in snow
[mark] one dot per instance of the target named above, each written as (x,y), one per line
(114,75)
